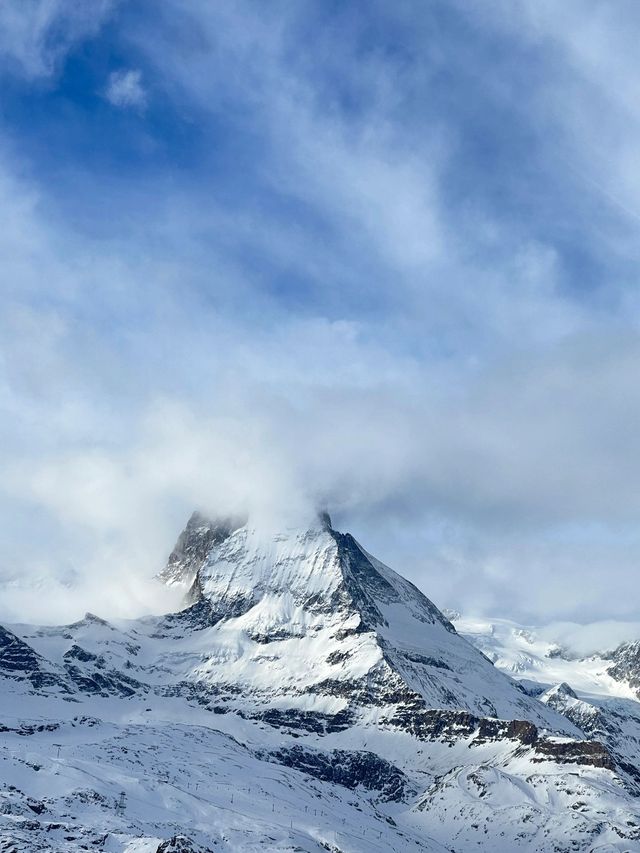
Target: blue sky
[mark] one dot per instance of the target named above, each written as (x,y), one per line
(281,254)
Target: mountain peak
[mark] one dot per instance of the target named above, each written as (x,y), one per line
(200,535)
(313,612)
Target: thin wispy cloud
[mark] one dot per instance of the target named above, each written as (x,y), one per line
(36,35)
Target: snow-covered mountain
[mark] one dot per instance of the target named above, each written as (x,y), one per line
(306,698)
(310,622)
(598,692)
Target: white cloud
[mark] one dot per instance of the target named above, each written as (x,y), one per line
(35,35)
(125,89)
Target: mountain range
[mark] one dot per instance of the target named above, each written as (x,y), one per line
(308,698)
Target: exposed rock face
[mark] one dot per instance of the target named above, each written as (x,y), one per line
(349,769)
(626,665)
(576,752)
(16,657)
(18,660)
(181,844)
(193,545)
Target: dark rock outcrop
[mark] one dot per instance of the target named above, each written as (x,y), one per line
(351,769)
(193,545)
(19,661)
(626,665)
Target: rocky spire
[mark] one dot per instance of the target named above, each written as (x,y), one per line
(193,546)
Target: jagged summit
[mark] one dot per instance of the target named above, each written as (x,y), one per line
(193,545)
(197,539)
